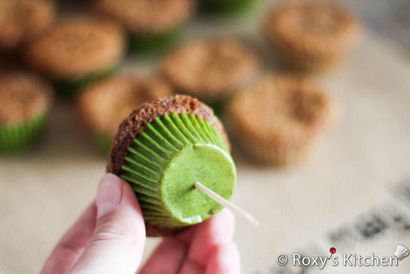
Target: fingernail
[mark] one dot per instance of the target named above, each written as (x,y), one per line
(109,194)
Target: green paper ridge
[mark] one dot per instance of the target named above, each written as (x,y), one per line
(21,135)
(151,152)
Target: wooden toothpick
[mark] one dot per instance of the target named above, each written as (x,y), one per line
(223,202)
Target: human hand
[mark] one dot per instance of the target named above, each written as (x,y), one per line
(109,237)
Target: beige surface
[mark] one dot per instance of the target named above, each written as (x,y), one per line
(42,193)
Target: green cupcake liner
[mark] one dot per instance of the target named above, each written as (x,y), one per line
(21,135)
(166,160)
(227,7)
(69,88)
(153,43)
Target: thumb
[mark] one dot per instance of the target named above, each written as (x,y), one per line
(119,237)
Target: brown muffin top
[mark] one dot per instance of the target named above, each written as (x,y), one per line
(210,69)
(77,46)
(310,25)
(150,16)
(22,20)
(280,110)
(105,104)
(23,96)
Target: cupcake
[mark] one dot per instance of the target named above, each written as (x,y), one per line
(152,25)
(162,149)
(25,103)
(103,105)
(226,7)
(23,20)
(277,121)
(210,70)
(310,37)
(76,52)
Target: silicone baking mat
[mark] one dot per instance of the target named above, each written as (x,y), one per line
(354,194)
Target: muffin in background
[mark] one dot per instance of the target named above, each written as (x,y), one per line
(152,25)
(77,51)
(310,36)
(25,104)
(277,121)
(23,20)
(103,105)
(212,70)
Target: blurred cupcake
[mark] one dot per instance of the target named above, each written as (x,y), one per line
(76,52)
(210,70)
(152,25)
(226,7)
(23,20)
(25,103)
(277,121)
(103,105)
(310,37)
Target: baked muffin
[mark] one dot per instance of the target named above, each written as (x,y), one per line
(310,37)
(226,7)
(162,149)
(103,105)
(25,103)
(277,120)
(152,25)
(23,20)
(211,70)
(77,51)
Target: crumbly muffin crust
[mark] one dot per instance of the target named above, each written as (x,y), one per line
(23,96)
(77,46)
(137,121)
(22,20)
(210,69)
(147,16)
(317,32)
(278,118)
(105,104)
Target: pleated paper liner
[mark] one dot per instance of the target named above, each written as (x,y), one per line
(227,8)
(21,136)
(69,88)
(153,43)
(167,159)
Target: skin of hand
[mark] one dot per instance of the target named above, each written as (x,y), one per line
(109,237)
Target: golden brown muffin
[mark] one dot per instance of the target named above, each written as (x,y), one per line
(23,97)
(103,105)
(210,70)
(25,103)
(153,26)
(147,16)
(78,51)
(76,47)
(22,20)
(310,37)
(277,120)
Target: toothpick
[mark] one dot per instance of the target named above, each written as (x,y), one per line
(223,202)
